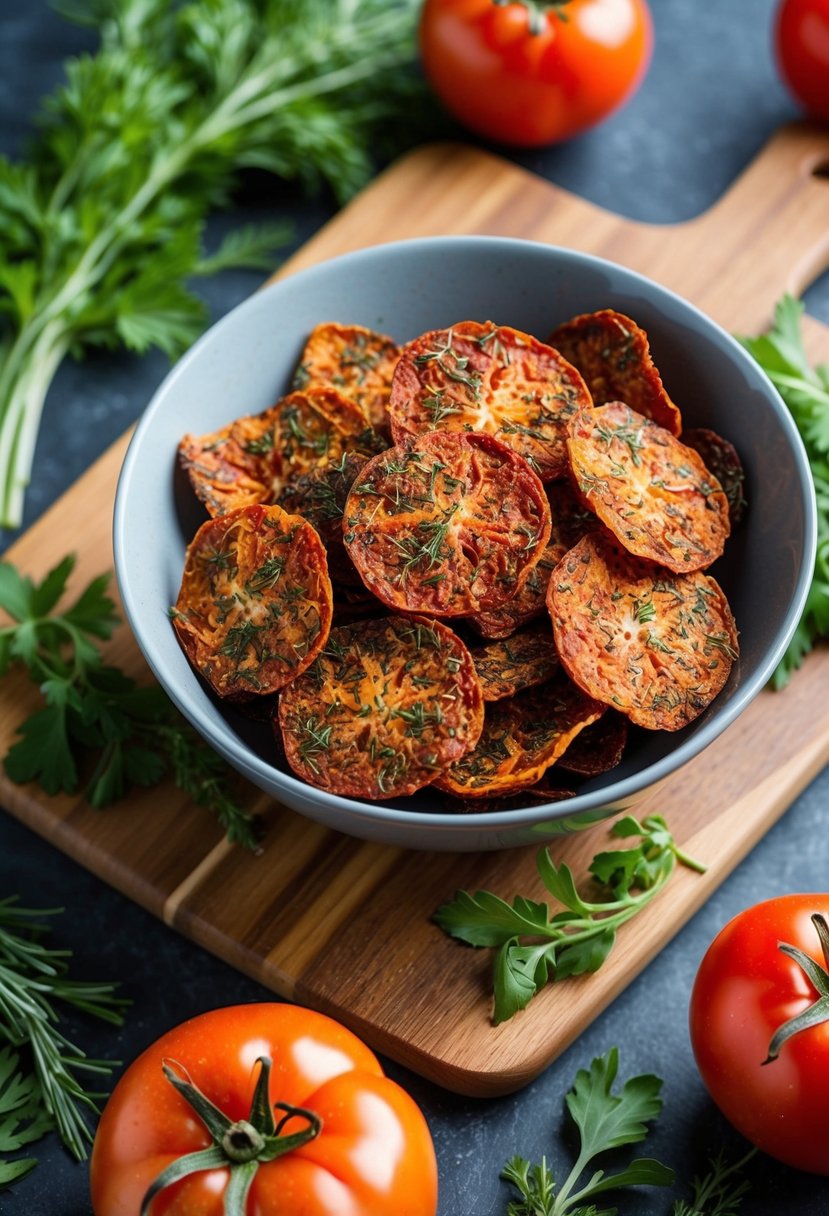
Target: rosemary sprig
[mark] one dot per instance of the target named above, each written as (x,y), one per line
(33,985)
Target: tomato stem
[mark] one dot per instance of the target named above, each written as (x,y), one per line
(818,1012)
(822,929)
(240,1146)
(537,11)
(242,1142)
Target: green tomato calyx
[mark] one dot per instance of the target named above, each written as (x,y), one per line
(537,11)
(240,1146)
(818,1012)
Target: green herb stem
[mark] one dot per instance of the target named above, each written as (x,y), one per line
(33,984)
(99,256)
(134,734)
(781,354)
(533,946)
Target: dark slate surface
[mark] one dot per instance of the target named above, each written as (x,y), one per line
(709,102)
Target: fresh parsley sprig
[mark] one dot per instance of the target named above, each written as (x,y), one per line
(805,390)
(102,227)
(34,984)
(23,1119)
(135,734)
(535,945)
(605,1120)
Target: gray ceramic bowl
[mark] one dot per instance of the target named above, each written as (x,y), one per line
(245,362)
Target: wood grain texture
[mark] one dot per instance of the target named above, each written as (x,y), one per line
(342,924)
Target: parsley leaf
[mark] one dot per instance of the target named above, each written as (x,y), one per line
(805,390)
(102,229)
(135,734)
(605,1120)
(22,1117)
(574,941)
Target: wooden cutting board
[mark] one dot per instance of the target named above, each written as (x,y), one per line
(344,925)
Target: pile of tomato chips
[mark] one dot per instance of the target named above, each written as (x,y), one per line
(467,564)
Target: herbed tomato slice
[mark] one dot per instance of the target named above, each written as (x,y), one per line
(657,646)
(652,491)
(505,667)
(447,524)
(320,497)
(530,796)
(314,427)
(386,706)
(232,467)
(357,361)
(522,736)
(492,379)
(599,748)
(373,1155)
(254,608)
(252,458)
(614,357)
(569,521)
(721,458)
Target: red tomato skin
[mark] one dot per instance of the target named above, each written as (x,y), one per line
(373,1157)
(526,89)
(745,989)
(802,48)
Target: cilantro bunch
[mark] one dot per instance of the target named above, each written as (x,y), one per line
(102,227)
(133,734)
(805,390)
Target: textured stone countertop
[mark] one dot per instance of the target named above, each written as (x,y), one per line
(710,101)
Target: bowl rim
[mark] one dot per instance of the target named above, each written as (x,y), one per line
(621,792)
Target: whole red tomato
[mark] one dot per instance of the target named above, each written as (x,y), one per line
(334,1134)
(746,989)
(802,46)
(534,73)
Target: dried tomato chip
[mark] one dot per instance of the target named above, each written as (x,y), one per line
(492,379)
(232,467)
(657,646)
(570,520)
(522,736)
(614,357)
(599,748)
(357,361)
(320,497)
(505,667)
(505,802)
(720,458)
(654,493)
(314,427)
(251,459)
(387,705)
(254,608)
(446,524)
